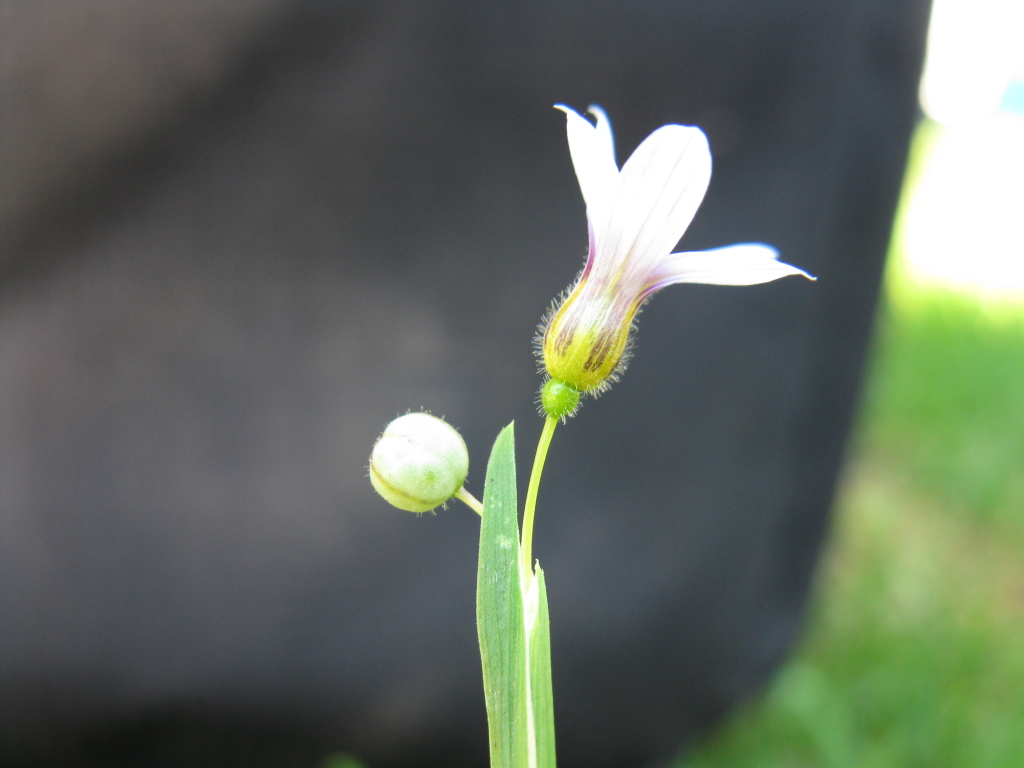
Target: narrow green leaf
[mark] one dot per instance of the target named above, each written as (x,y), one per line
(499,611)
(540,679)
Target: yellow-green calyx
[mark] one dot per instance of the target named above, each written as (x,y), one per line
(586,340)
(419,463)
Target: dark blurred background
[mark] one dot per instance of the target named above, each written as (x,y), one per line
(239,237)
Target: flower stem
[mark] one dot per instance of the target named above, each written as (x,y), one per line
(526,545)
(469,500)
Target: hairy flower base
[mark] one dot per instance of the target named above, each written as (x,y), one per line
(586,341)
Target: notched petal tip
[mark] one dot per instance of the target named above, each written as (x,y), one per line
(603,128)
(593,158)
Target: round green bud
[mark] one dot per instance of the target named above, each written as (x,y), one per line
(419,462)
(559,399)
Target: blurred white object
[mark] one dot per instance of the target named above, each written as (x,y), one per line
(963,221)
(974,51)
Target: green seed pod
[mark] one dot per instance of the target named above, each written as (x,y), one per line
(419,462)
(559,399)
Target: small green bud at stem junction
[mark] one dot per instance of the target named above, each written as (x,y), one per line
(559,399)
(420,462)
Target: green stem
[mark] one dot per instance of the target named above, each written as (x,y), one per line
(526,545)
(469,500)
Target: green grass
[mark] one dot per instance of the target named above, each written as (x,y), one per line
(947,404)
(915,650)
(914,654)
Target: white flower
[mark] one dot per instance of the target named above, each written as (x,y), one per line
(636,216)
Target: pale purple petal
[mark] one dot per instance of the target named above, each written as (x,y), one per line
(746,264)
(660,188)
(593,158)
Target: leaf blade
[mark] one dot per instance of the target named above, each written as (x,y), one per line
(500,623)
(540,679)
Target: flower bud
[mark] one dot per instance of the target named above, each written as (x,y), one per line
(419,462)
